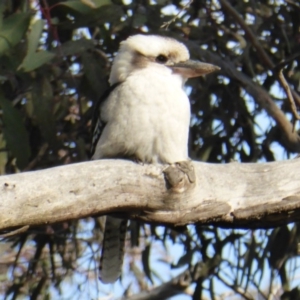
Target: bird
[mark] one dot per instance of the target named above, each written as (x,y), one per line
(144,116)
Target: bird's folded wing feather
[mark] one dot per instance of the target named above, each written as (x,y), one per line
(98,124)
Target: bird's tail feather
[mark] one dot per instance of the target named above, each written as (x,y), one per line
(112,249)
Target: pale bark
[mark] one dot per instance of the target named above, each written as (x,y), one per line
(233,195)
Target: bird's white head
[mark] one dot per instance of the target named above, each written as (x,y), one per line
(141,51)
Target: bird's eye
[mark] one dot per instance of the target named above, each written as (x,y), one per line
(161,59)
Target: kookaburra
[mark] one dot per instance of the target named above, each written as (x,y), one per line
(144,116)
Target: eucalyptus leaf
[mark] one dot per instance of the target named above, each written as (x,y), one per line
(75,47)
(35,35)
(15,133)
(85,7)
(2,6)
(3,155)
(145,261)
(35,60)
(42,97)
(12,30)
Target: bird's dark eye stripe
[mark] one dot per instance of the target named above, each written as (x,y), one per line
(161,58)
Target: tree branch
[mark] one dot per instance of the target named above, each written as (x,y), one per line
(249,33)
(262,54)
(232,195)
(173,287)
(180,283)
(290,138)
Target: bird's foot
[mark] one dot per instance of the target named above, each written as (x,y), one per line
(136,160)
(180,176)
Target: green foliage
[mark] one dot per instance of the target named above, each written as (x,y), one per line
(34,59)
(54,63)
(12,30)
(15,133)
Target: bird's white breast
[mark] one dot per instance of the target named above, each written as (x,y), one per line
(147,117)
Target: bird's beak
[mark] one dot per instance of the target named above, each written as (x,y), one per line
(193,68)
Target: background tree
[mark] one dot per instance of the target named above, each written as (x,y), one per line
(54,63)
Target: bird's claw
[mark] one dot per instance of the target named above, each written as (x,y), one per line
(187,168)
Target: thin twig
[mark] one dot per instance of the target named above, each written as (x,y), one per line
(167,24)
(262,97)
(254,40)
(39,156)
(291,94)
(286,61)
(14,232)
(290,97)
(239,290)
(293,3)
